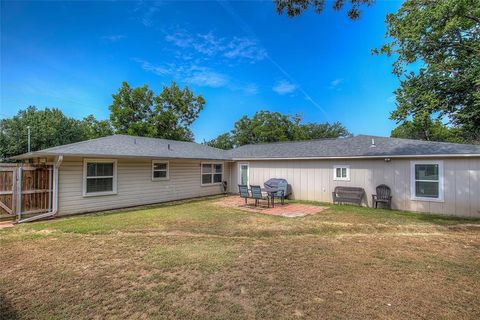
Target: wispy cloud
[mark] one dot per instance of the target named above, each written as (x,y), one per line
(207,78)
(194,74)
(245,48)
(335,83)
(114,37)
(158,70)
(191,73)
(210,45)
(147,11)
(284,87)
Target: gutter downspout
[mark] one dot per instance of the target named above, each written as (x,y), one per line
(54,196)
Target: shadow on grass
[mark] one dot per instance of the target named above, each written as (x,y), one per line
(386,213)
(7,311)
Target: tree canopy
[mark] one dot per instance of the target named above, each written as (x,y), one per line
(437,50)
(423,127)
(169,115)
(49,128)
(294,8)
(266,126)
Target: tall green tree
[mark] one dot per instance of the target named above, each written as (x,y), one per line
(423,127)
(93,128)
(223,141)
(131,110)
(175,111)
(169,115)
(294,8)
(310,131)
(266,126)
(437,50)
(49,128)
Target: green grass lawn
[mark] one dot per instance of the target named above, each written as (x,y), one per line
(199,260)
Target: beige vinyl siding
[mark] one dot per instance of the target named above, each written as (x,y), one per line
(313,180)
(134,185)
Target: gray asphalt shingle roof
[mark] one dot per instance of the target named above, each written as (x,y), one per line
(130,146)
(358,146)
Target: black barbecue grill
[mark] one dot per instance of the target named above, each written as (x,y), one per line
(277,188)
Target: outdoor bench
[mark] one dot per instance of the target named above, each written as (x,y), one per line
(348,195)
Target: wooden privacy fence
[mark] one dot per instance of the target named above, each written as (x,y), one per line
(7,190)
(25,189)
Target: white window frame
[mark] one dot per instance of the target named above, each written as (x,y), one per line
(335,167)
(168,170)
(213,172)
(114,182)
(440,181)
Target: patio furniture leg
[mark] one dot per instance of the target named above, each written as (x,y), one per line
(245,200)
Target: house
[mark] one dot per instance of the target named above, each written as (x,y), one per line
(121,171)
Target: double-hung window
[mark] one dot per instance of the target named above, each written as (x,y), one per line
(427,180)
(341,172)
(160,170)
(99,177)
(212,173)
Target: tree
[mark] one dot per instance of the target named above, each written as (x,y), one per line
(49,128)
(294,8)
(223,141)
(174,112)
(322,130)
(437,50)
(422,127)
(131,110)
(93,128)
(266,126)
(169,115)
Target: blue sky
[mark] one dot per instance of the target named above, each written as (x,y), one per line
(241,56)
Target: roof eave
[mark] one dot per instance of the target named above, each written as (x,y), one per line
(94,155)
(463,155)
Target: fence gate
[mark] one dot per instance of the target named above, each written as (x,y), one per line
(8,181)
(25,190)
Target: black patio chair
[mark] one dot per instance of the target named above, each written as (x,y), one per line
(258,195)
(383,196)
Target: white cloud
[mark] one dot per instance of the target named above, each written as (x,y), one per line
(284,87)
(250,88)
(158,70)
(207,78)
(180,39)
(211,45)
(191,73)
(147,11)
(114,37)
(335,83)
(245,48)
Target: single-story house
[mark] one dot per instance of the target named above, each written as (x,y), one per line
(121,171)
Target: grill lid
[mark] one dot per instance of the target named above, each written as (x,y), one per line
(276,184)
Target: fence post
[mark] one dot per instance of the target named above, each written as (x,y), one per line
(19,193)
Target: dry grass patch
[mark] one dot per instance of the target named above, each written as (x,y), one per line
(195,260)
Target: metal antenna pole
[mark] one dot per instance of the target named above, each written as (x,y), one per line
(28,129)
